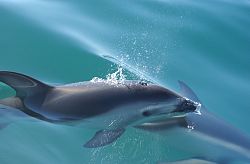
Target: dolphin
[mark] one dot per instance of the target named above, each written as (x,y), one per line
(207,140)
(107,107)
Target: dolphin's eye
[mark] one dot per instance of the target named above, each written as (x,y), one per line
(143,83)
(146,113)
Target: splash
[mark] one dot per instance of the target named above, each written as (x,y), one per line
(198,109)
(190,127)
(123,62)
(115,78)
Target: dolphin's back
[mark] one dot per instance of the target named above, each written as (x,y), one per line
(216,128)
(86,100)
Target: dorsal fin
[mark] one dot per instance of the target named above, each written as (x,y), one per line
(187,92)
(22,84)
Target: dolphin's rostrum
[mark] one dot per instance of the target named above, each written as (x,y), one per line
(109,108)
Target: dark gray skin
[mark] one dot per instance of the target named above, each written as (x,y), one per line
(109,107)
(210,139)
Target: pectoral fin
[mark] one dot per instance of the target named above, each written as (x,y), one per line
(104,137)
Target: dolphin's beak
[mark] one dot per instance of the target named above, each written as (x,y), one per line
(179,106)
(186,105)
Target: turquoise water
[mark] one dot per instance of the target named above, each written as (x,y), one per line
(204,43)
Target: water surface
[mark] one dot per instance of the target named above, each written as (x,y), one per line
(204,43)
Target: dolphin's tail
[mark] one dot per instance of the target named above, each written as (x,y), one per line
(22,84)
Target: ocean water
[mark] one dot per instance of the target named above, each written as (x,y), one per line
(203,43)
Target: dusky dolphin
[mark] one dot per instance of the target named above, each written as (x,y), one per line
(207,140)
(110,108)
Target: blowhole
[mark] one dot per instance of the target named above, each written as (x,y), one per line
(143,83)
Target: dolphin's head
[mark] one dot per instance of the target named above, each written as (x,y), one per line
(156,100)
